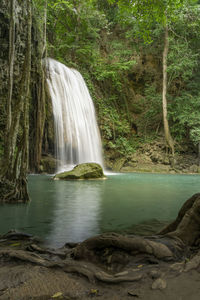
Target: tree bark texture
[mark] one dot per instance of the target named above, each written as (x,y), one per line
(168,136)
(38,95)
(15,161)
(10,82)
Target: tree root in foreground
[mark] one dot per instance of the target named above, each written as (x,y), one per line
(114,258)
(91,271)
(68,265)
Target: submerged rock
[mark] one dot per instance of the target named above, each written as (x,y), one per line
(82,171)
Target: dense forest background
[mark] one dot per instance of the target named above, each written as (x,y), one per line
(124,71)
(120,53)
(122,65)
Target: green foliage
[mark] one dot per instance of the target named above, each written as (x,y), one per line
(152,109)
(115,129)
(74,30)
(182,61)
(147,13)
(112,70)
(183,71)
(109,43)
(183,56)
(185,113)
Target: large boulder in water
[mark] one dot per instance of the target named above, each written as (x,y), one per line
(82,171)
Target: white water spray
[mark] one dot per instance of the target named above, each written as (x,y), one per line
(77,138)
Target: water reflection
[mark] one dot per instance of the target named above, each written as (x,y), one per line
(34,217)
(62,211)
(77,211)
(131,199)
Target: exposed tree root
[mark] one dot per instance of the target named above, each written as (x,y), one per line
(16,191)
(23,256)
(130,244)
(186,227)
(88,270)
(116,278)
(34,247)
(114,258)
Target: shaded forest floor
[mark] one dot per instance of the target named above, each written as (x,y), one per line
(20,281)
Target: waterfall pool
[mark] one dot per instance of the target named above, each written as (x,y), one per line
(71,211)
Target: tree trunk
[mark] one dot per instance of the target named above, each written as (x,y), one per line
(15,163)
(40,97)
(25,149)
(10,81)
(168,136)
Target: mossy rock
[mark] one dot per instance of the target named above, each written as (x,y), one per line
(82,171)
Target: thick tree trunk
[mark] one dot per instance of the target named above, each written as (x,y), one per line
(10,81)
(15,163)
(25,149)
(40,98)
(168,136)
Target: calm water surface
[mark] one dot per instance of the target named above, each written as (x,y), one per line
(63,211)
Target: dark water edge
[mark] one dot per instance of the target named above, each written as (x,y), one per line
(73,211)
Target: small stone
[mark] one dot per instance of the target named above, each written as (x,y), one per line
(57,295)
(159,284)
(177,267)
(133,294)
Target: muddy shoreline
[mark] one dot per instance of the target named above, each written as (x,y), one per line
(30,271)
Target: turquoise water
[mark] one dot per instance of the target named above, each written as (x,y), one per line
(63,211)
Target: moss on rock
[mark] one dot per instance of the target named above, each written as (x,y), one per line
(82,171)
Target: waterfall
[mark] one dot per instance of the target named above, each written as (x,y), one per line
(77,138)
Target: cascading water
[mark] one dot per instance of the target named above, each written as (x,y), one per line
(77,138)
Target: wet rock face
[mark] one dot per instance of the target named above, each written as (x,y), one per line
(82,171)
